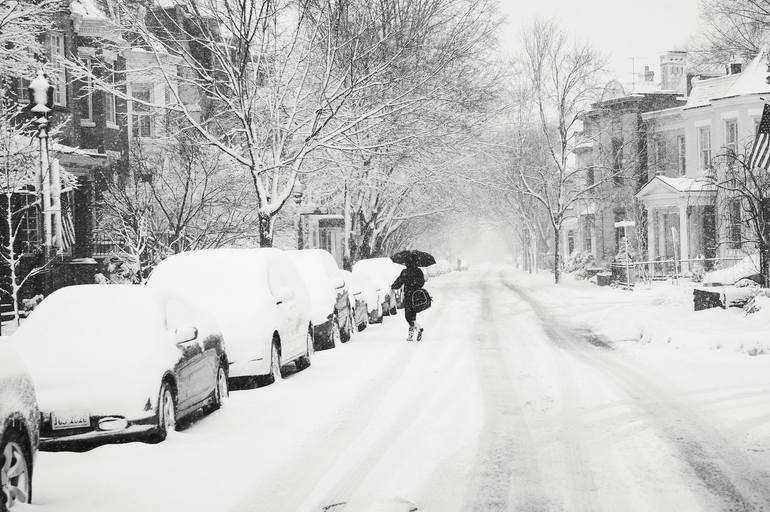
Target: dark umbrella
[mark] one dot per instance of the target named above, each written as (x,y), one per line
(421,259)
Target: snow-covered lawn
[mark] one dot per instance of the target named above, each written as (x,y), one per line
(661,314)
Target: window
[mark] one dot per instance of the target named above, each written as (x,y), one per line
(141,113)
(22,92)
(681,155)
(735,224)
(590,176)
(28,232)
(731,137)
(87,95)
(704,148)
(59,76)
(660,154)
(570,241)
(588,231)
(617,161)
(586,128)
(110,101)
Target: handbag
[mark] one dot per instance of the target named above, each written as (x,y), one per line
(421,300)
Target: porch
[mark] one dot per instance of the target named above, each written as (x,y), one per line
(681,224)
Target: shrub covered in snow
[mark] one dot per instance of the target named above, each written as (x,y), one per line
(578,262)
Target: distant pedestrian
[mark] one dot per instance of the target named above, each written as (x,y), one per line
(412,279)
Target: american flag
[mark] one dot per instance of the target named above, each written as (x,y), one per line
(68,231)
(760,152)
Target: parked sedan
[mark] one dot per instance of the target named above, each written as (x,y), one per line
(119,362)
(383,272)
(19,420)
(330,305)
(256,298)
(366,301)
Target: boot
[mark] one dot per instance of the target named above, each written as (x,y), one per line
(419,331)
(411,333)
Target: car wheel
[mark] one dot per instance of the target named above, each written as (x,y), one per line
(347,333)
(336,335)
(304,361)
(15,470)
(166,412)
(221,391)
(275,364)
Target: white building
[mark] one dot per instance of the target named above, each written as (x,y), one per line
(721,116)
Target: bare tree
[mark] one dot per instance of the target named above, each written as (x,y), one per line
(564,78)
(183,198)
(743,206)
(732,29)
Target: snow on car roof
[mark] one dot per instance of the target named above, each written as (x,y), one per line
(92,313)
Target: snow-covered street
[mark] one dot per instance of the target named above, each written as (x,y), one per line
(505,405)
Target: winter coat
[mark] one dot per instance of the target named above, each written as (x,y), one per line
(411,278)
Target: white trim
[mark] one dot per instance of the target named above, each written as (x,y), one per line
(755,112)
(87,123)
(726,116)
(112,126)
(700,123)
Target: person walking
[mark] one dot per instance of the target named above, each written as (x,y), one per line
(411,278)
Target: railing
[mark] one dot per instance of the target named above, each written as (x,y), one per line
(626,275)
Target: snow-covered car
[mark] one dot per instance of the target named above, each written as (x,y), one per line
(382,271)
(330,305)
(256,298)
(363,292)
(119,361)
(19,423)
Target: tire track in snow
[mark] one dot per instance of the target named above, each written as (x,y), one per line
(724,471)
(302,476)
(506,468)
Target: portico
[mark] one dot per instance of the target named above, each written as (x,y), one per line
(679,218)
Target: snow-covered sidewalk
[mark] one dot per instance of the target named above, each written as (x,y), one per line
(660,315)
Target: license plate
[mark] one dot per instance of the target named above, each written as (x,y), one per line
(72,419)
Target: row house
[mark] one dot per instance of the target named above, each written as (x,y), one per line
(611,151)
(90,141)
(685,217)
(97,126)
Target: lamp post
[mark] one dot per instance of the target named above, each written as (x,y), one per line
(297,193)
(41,93)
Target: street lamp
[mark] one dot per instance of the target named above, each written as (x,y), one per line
(41,94)
(297,193)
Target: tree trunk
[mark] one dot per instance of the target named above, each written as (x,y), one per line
(265,231)
(347,264)
(556,270)
(764,263)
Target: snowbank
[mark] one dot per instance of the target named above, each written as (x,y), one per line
(748,266)
(661,315)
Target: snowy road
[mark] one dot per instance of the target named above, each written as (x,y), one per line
(506,405)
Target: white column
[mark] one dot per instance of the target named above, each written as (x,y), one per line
(684,235)
(662,232)
(651,238)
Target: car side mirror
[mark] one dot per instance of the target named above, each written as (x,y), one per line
(185,334)
(284,294)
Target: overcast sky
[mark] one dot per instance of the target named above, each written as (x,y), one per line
(620,28)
